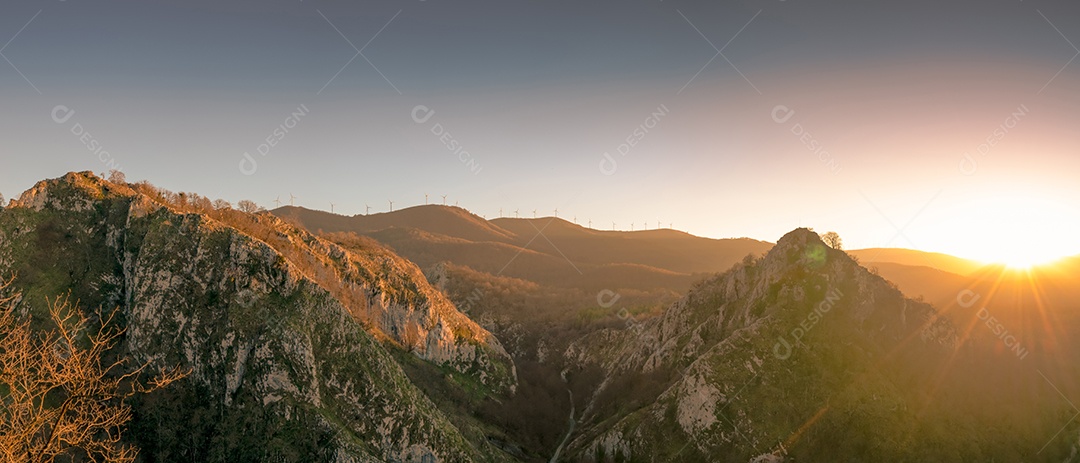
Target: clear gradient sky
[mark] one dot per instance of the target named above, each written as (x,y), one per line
(859,117)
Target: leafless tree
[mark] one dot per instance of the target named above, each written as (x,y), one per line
(117,177)
(61,399)
(832,239)
(247,206)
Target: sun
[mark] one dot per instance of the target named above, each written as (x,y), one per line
(1017,230)
(1026,259)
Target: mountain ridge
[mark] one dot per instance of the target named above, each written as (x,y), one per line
(282,362)
(518,231)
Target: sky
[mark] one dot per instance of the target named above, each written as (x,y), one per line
(942,126)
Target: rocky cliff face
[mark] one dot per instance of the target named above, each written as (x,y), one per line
(391,298)
(764,359)
(285,333)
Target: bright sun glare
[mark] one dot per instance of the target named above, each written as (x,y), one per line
(1022,231)
(1024,261)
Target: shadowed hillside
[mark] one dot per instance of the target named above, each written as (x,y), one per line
(806,356)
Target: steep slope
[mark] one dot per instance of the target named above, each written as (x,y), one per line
(803,355)
(389,295)
(283,368)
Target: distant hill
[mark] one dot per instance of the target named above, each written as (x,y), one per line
(664,249)
(932,284)
(546,250)
(442,220)
(910,257)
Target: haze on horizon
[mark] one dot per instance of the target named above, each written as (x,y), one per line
(940,127)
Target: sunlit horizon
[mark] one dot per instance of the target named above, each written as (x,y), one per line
(1010,245)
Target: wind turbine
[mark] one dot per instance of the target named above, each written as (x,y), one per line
(331,208)
(575,219)
(391,205)
(500,212)
(534,213)
(277,201)
(631,226)
(556,212)
(590,223)
(367,210)
(612,226)
(455,203)
(292,199)
(515,213)
(425,199)
(443,200)
(657,224)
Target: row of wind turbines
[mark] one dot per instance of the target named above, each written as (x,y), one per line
(659,224)
(517,212)
(367,208)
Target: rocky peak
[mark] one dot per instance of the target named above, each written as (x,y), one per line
(803,307)
(75,191)
(798,237)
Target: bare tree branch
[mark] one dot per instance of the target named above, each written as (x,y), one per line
(58,394)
